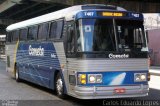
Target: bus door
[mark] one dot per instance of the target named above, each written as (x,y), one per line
(70,54)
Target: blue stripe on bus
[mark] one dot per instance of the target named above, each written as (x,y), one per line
(115,78)
(38,69)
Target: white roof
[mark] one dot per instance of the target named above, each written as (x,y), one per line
(68,13)
(48,17)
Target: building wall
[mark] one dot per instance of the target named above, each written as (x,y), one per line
(154,46)
(2,44)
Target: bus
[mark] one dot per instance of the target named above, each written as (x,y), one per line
(91,51)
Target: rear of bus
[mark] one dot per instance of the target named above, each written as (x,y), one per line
(111,55)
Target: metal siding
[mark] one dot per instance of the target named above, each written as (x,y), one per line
(103,65)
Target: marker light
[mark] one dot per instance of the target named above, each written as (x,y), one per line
(149,76)
(82,78)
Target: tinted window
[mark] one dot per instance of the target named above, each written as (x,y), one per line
(95,35)
(32,33)
(15,35)
(59,29)
(23,34)
(43,30)
(56,29)
(53,30)
(70,38)
(9,37)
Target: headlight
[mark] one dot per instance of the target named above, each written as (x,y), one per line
(143,77)
(138,77)
(94,78)
(82,78)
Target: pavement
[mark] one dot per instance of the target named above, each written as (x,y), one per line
(154,70)
(2,57)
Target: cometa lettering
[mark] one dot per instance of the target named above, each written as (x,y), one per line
(36,51)
(118,55)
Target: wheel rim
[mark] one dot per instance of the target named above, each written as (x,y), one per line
(59,85)
(16,75)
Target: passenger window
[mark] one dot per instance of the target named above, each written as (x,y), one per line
(9,37)
(43,31)
(56,29)
(32,35)
(59,29)
(23,34)
(15,35)
(53,30)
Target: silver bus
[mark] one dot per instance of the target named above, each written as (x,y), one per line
(88,51)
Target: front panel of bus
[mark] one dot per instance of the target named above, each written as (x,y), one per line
(111,56)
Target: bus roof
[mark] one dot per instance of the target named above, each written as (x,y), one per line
(66,13)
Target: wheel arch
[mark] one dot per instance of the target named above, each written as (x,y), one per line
(55,75)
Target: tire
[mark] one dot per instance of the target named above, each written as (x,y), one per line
(59,84)
(17,75)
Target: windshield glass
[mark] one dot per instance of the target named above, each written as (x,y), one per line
(103,35)
(96,35)
(130,35)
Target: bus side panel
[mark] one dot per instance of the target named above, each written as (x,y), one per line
(37,62)
(10,58)
(59,47)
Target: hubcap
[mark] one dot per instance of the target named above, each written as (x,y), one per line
(59,86)
(16,74)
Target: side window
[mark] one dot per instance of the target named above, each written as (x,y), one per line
(43,31)
(70,38)
(23,34)
(15,35)
(9,37)
(32,35)
(53,30)
(59,29)
(56,29)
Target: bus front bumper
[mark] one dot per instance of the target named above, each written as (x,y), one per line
(83,92)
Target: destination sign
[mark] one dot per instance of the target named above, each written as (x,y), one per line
(116,14)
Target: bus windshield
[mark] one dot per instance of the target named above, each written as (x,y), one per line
(110,35)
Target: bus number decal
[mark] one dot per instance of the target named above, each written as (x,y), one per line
(88,13)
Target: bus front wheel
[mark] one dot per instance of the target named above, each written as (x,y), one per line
(59,84)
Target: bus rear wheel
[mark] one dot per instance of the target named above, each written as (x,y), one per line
(17,75)
(59,84)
